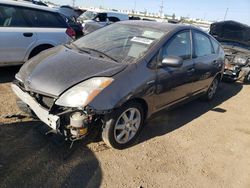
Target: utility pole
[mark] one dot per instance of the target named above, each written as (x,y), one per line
(161,9)
(73,3)
(225,14)
(134,8)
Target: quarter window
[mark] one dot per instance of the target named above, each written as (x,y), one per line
(11,17)
(179,46)
(202,45)
(216,46)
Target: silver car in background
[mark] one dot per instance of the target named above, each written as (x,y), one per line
(27,29)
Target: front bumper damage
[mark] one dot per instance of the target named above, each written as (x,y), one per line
(43,114)
(73,124)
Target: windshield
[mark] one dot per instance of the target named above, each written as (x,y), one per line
(88,15)
(123,43)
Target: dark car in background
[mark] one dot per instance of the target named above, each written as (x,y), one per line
(115,78)
(235,39)
(76,26)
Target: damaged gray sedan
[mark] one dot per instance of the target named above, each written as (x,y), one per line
(115,78)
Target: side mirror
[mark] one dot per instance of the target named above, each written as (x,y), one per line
(172,61)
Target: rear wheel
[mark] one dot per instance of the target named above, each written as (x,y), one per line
(212,90)
(123,126)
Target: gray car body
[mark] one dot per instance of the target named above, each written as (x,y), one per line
(55,71)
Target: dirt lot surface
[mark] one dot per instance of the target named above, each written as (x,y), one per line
(196,145)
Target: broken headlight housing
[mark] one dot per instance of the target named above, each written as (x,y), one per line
(239,60)
(83,93)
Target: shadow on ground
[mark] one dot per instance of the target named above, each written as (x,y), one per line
(169,120)
(7,74)
(29,159)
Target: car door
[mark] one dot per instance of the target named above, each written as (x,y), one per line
(175,84)
(205,61)
(15,35)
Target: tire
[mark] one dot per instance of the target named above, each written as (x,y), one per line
(212,90)
(123,126)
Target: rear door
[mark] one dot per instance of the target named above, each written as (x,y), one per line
(50,27)
(175,84)
(16,36)
(205,61)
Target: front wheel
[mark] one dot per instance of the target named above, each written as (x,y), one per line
(122,127)
(212,90)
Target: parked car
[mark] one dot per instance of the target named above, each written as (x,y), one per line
(70,12)
(96,19)
(39,3)
(27,29)
(235,39)
(76,26)
(115,78)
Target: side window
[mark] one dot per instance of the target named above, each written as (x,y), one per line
(216,46)
(179,45)
(102,17)
(11,17)
(202,45)
(44,19)
(113,19)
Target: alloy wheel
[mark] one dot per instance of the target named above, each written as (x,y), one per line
(127,125)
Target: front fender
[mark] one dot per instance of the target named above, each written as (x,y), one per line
(127,85)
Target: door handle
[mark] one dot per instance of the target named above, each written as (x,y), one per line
(150,82)
(190,71)
(28,34)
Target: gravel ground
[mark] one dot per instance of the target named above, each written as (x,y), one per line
(196,145)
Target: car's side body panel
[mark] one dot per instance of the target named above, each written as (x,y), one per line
(167,86)
(19,36)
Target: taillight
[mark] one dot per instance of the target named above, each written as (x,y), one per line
(70,32)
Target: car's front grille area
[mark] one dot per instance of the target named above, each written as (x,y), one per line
(44,101)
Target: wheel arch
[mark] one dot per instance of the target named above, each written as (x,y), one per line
(142,102)
(40,46)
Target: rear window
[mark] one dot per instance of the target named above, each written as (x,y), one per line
(11,17)
(45,19)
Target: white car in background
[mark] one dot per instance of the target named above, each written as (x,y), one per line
(96,19)
(27,29)
(102,16)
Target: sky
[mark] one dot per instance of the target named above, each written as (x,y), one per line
(213,10)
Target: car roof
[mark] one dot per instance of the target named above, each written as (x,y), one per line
(162,26)
(27,5)
(106,11)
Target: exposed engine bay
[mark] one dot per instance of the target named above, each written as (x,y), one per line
(72,123)
(235,39)
(237,64)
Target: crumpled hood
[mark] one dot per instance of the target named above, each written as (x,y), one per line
(231,31)
(56,70)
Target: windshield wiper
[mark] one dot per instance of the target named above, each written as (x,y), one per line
(102,53)
(78,48)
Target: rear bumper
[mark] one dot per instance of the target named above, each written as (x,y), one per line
(43,114)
